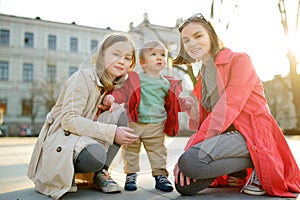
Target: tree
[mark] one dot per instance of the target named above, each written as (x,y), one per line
(43,97)
(289,29)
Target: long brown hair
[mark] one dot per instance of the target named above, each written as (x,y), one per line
(216,43)
(108,81)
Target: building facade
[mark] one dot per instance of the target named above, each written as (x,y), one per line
(37,56)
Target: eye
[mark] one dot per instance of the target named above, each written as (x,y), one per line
(198,36)
(153,54)
(185,40)
(128,58)
(116,54)
(163,55)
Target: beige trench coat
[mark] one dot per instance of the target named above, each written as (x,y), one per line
(51,165)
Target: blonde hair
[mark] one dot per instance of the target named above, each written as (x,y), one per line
(150,45)
(108,81)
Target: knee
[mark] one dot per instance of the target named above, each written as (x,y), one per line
(187,190)
(123,119)
(91,159)
(193,159)
(98,154)
(187,161)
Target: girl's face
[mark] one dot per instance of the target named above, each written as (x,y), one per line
(154,60)
(117,58)
(196,41)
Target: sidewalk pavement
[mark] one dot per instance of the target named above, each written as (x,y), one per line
(15,185)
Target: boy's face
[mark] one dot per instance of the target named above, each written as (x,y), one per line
(154,60)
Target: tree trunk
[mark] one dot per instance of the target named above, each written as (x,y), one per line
(295,83)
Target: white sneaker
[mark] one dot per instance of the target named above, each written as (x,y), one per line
(253,186)
(104,183)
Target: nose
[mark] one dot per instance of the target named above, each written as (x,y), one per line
(159,57)
(121,60)
(192,42)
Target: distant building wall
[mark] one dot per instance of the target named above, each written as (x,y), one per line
(38,56)
(26,58)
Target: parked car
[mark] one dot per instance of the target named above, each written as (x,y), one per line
(25,130)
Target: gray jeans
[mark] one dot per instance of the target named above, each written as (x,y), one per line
(217,156)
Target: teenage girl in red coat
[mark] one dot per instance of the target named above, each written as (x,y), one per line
(235,129)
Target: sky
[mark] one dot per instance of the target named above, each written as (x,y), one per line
(254,27)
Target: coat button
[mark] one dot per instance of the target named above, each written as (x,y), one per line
(58,149)
(67,133)
(254,148)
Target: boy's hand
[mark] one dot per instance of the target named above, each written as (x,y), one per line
(188,102)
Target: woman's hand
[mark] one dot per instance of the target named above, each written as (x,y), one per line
(124,135)
(189,102)
(180,177)
(192,110)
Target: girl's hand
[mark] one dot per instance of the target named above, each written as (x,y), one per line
(108,104)
(108,100)
(124,135)
(114,106)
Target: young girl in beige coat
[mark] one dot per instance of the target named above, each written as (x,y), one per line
(71,140)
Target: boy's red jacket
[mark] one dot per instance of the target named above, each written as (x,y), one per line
(129,94)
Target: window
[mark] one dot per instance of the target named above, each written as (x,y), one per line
(28,40)
(26,107)
(51,73)
(4,37)
(28,72)
(72,70)
(73,44)
(3,70)
(52,42)
(94,44)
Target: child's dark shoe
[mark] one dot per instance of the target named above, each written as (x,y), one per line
(130,184)
(162,183)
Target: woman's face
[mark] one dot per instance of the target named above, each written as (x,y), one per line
(196,41)
(117,58)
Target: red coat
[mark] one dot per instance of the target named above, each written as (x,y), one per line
(243,104)
(130,95)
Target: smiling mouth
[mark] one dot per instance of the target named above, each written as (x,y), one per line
(195,50)
(119,68)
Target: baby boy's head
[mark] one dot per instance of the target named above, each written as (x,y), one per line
(153,52)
